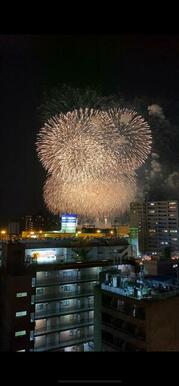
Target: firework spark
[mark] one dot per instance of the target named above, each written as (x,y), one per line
(65,98)
(133,138)
(93,199)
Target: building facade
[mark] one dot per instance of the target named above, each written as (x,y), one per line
(32,223)
(158,225)
(142,319)
(47,293)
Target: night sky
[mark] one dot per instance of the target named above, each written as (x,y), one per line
(30,64)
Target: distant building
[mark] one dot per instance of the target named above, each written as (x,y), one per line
(14,229)
(136,315)
(158,225)
(32,223)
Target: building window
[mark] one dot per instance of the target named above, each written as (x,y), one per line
(31,335)
(21,313)
(32,317)
(40,291)
(20,333)
(40,307)
(21,294)
(33,282)
(65,302)
(20,350)
(67,288)
(32,299)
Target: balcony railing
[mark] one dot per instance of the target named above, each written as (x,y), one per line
(62,295)
(64,327)
(63,311)
(71,342)
(70,280)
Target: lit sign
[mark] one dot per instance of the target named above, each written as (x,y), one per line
(42,255)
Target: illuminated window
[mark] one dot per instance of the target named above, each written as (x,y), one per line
(67,288)
(33,282)
(32,317)
(32,299)
(173,231)
(21,294)
(31,335)
(40,306)
(40,291)
(174,239)
(65,302)
(20,333)
(21,313)
(20,350)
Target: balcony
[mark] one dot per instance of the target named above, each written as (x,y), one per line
(69,280)
(61,296)
(64,327)
(63,311)
(71,342)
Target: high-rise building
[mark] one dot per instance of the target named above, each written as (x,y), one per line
(32,223)
(136,315)
(13,229)
(158,225)
(46,294)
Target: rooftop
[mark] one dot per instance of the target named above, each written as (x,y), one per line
(141,288)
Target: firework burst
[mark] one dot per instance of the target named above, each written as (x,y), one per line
(93,199)
(132,138)
(91,157)
(79,146)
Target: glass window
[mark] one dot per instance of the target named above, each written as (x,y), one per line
(65,302)
(31,335)
(20,333)
(67,288)
(21,294)
(21,313)
(33,282)
(40,291)
(32,299)
(40,306)
(32,317)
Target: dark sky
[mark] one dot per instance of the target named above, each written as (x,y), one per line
(135,65)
